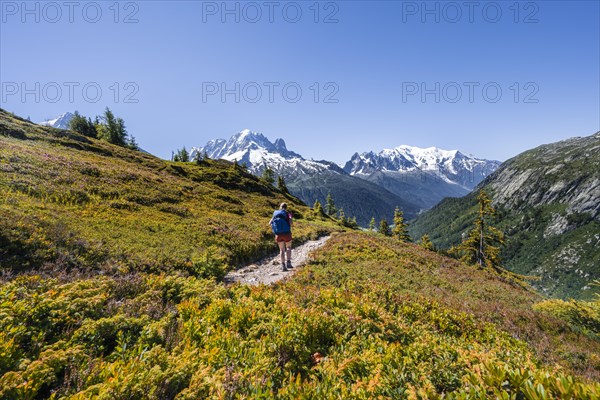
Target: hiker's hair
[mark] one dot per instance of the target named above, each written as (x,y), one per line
(283,206)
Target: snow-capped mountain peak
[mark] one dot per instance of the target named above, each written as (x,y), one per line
(60,122)
(451,166)
(412,177)
(257,152)
(280,145)
(247,135)
(424,158)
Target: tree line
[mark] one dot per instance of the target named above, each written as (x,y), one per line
(335,213)
(107,127)
(481,246)
(183,155)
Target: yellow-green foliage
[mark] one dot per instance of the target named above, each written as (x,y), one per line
(370,318)
(69,201)
(412,273)
(584,316)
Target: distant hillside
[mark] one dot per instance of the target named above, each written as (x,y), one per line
(68,201)
(310,180)
(548,202)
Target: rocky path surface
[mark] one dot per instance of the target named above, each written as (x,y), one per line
(268,270)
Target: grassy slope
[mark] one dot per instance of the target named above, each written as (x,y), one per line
(69,201)
(368,317)
(409,273)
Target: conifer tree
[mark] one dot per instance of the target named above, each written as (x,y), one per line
(268,175)
(182,155)
(77,122)
(102,132)
(318,208)
(352,223)
(342,216)
(372,224)
(384,227)
(426,243)
(98,127)
(196,157)
(111,128)
(110,131)
(120,134)
(330,205)
(281,185)
(400,229)
(91,129)
(132,144)
(482,245)
(82,125)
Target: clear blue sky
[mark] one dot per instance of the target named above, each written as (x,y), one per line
(377,56)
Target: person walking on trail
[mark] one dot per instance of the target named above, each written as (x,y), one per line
(281,224)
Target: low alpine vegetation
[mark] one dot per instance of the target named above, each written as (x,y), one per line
(370,317)
(111,262)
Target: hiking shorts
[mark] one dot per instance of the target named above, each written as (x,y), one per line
(283,237)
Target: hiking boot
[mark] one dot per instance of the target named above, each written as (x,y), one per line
(289,265)
(284,269)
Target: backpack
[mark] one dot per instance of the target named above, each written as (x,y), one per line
(280,222)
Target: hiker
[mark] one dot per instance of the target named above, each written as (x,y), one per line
(281,224)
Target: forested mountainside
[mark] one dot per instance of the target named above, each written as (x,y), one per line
(548,203)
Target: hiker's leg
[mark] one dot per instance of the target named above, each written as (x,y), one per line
(289,251)
(282,251)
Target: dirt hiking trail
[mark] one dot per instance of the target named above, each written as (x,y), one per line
(268,270)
